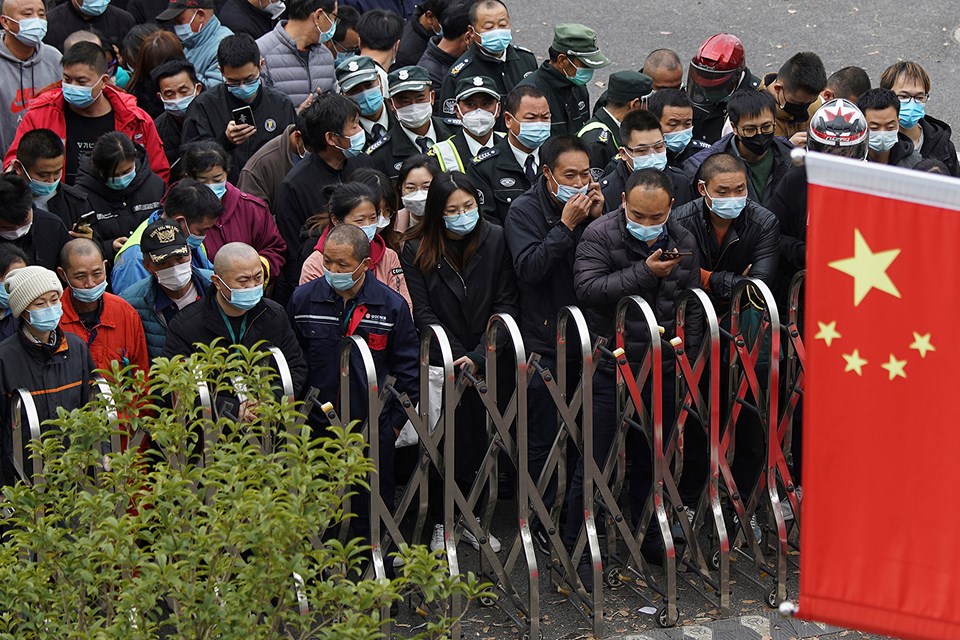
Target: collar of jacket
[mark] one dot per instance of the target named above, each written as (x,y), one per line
(369,294)
(70,315)
(554,78)
(478,52)
(213,321)
(42,352)
(552,209)
(162,300)
(738,223)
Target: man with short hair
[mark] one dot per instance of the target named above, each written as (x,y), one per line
(563,78)
(795,87)
(196,25)
(40,161)
(767,156)
(171,284)
(85,107)
(379,32)
(848,83)
(415,129)
(478,107)
(252,17)
(296,60)
(359,80)
(178,87)
(664,68)
(503,173)
(27,64)
(491,53)
(881,109)
(39,234)
(444,49)
(675,112)
(236,313)
(263,173)
(109,326)
(86,15)
(424,25)
(642,147)
(190,205)
(212,117)
(627,92)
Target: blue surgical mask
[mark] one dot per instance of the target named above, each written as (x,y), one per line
(727,208)
(45,319)
(219,189)
(656,161)
(195,242)
(642,233)
(357,142)
(94,7)
(564,193)
(246,90)
(677,141)
(881,141)
(343,56)
(341,281)
(533,134)
(4,297)
(582,76)
(184,32)
(462,223)
(119,183)
(178,107)
(40,189)
(32,31)
(92,294)
(369,101)
(497,40)
(370,230)
(327,36)
(911,112)
(244,299)
(80,97)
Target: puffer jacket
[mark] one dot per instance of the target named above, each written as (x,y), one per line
(247,219)
(291,71)
(611,265)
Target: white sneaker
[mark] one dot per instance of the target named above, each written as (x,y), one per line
(437,542)
(494,543)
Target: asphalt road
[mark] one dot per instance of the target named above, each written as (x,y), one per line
(871,33)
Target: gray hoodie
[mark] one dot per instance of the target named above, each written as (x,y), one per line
(19,83)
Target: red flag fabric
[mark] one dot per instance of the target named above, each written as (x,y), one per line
(881,506)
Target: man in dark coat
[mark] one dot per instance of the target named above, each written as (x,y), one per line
(98,16)
(628,90)
(424,25)
(38,234)
(443,50)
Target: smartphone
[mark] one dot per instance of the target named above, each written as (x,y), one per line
(85,220)
(244,115)
(673,255)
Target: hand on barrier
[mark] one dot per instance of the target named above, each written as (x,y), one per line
(662,268)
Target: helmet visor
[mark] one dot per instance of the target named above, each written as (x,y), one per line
(710,86)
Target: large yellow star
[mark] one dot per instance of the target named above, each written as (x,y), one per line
(854,362)
(868,269)
(922,344)
(895,367)
(828,332)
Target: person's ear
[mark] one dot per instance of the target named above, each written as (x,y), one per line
(62,274)
(432,96)
(702,188)
(827,95)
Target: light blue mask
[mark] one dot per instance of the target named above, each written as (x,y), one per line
(582,76)
(92,294)
(533,134)
(342,56)
(911,112)
(119,183)
(369,101)
(642,233)
(41,189)
(79,97)
(497,40)
(881,141)
(370,230)
(677,141)
(32,31)
(656,161)
(327,36)
(728,208)
(94,7)
(4,297)
(178,107)
(341,281)
(564,193)
(195,242)
(219,189)
(45,319)
(184,32)
(357,142)
(246,90)
(462,223)
(245,299)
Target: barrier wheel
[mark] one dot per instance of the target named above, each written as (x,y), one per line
(664,619)
(611,577)
(772,599)
(715,559)
(487,602)
(526,635)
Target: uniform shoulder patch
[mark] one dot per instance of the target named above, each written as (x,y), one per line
(700,144)
(460,66)
(604,136)
(453,122)
(596,173)
(486,154)
(524,49)
(384,139)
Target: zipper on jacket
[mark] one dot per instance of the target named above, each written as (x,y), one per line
(458,274)
(724,250)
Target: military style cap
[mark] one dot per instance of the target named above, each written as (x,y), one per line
(163,239)
(467,87)
(408,79)
(176,7)
(356,70)
(580,42)
(624,86)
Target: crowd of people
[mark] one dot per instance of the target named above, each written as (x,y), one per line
(290,172)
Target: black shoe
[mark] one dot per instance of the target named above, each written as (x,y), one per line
(540,538)
(585,572)
(652,552)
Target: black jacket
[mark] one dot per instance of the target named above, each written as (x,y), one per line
(506,75)
(209,113)
(119,213)
(413,42)
(437,62)
(617,173)
(780,148)
(708,119)
(789,205)
(463,302)
(937,143)
(693,148)
(170,130)
(202,322)
(63,20)
(603,141)
(543,250)
(242,17)
(389,152)
(611,265)
(43,242)
(499,179)
(569,103)
(69,204)
(753,240)
(146,10)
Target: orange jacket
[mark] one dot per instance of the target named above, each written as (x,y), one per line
(119,336)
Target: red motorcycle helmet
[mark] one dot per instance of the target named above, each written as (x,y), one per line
(716,70)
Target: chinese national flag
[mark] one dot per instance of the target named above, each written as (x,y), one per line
(881,501)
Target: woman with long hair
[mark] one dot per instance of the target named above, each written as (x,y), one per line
(156,48)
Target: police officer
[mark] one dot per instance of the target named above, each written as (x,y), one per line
(643,147)
(478,107)
(574,56)
(626,93)
(491,54)
(415,129)
(503,173)
(358,79)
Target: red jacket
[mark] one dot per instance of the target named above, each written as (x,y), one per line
(247,219)
(119,336)
(46,112)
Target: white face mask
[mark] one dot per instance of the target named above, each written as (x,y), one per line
(415,201)
(19,232)
(414,116)
(175,277)
(479,122)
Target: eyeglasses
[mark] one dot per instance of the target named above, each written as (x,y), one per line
(237,85)
(750,130)
(919,98)
(646,149)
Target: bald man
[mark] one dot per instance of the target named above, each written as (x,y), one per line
(237,314)
(665,68)
(26,64)
(110,327)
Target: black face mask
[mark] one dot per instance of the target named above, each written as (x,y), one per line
(758,143)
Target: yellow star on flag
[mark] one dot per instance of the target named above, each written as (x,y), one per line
(828,332)
(895,367)
(922,344)
(854,362)
(868,269)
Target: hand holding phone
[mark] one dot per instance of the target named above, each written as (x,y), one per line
(85,220)
(673,255)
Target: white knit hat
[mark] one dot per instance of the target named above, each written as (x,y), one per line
(27,284)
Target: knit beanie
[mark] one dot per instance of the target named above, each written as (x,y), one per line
(27,284)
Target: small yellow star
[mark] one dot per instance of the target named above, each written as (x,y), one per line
(895,367)
(828,332)
(922,344)
(868,269)
(854,362)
